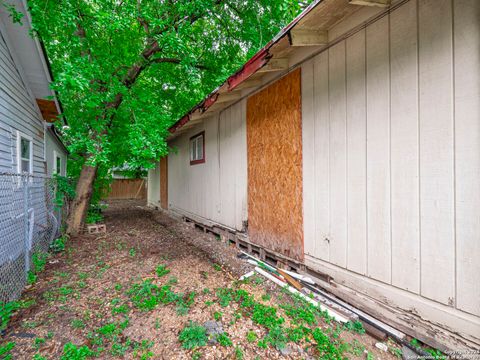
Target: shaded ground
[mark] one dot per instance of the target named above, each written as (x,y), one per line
(130,293)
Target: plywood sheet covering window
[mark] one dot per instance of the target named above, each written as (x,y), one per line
(274,144)
(164,183)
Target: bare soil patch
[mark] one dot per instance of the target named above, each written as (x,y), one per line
(131,292)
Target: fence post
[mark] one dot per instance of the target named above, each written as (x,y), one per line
(25,179)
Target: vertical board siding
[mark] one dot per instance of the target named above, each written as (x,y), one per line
(356,154)
(274,146)
(378,150)
(393,115)
(215,190)
(467,152)
(404,148)
(436,151)
(338,156)
(308,152)
(321,163)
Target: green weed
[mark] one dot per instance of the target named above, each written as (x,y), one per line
(436,354)
(277,337)
(120,309)
(357,349)
(58,245)
(142,350)
(251,336)
(224,340)
(355,326)
(298,333)
(82,276)
(6,312)
(38,342)
(30,324)
(193,336)
(78,324)
(301,314)
(225,296)
(119,349)
(39,260)
(217,315)
(5,351)
(73,352)
(325,346)
(238,353)
(162,270)
(146,295)
(266,316)
(217,267)
(172,280)
(257,280)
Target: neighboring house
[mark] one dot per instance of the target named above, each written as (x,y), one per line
(55,152)
(30,146)
(350,147)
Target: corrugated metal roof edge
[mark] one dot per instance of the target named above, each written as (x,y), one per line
(255,63)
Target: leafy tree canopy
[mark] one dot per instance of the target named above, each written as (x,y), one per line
(125,70)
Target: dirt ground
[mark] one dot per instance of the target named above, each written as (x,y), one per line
(86,300)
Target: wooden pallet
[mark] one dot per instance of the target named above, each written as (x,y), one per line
(240,241)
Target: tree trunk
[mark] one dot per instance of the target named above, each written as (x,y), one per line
(76,218)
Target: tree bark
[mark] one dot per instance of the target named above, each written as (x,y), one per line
(84,190)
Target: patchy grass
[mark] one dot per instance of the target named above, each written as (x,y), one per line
(142,292)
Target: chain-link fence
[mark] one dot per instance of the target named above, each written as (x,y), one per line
(30,220)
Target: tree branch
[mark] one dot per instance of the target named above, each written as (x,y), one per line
(175,61)
(145,60)
(140,18)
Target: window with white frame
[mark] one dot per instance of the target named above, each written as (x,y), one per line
(197,149)
(24,153)
(57,165)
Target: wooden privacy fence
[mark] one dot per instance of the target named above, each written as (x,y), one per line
(128,189)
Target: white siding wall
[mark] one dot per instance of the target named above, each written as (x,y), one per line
(17,112)
(217,189)
(153,186)
(391,121)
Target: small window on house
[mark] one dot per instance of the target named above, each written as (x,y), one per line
(58,165)
(24,153)
(197,149)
